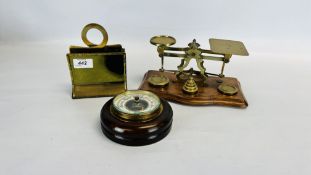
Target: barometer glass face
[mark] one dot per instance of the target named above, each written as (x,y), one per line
(136,102)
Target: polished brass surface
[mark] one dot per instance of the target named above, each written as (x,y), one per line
(190,87)
(228,47)
(100,73)
(98,27)
(227,89)
(204,87)
(97,70)
(163,40)
(158,81)
(222,50)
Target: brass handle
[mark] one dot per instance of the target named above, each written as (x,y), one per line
(98,27)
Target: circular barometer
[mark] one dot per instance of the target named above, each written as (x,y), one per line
(136,105)
(163,40)
(136,118)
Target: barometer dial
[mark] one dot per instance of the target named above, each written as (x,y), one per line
(136,118)
(136,102)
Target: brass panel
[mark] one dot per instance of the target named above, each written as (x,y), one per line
(97,70)
(100,90)
(228,47)
(103,70)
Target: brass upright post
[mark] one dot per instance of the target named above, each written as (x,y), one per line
(221,75)
(225,60)
(162,63)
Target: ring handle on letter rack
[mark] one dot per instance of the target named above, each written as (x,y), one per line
(98,27)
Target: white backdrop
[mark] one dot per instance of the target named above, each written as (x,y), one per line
(44,131)
(39,20)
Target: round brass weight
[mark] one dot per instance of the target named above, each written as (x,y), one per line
(190,87)
(227,89)
(98,27)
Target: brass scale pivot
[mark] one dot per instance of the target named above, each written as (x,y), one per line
(224,49)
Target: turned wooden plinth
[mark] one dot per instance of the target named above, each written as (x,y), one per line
(136,133)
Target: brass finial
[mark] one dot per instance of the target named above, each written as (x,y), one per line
(194,44)
(190,87)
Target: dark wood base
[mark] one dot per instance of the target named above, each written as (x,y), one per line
(207,93)
(136,133)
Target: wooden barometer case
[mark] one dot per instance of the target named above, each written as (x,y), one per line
(196,87)
(136,118)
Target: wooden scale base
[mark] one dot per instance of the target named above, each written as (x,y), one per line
(206,95)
